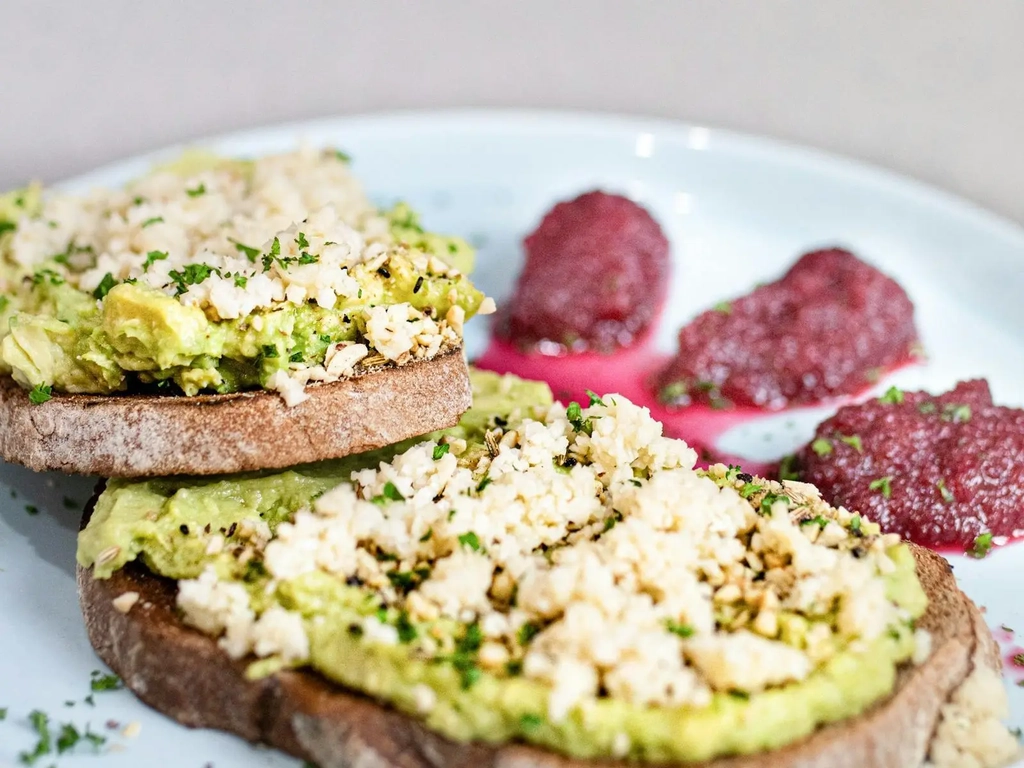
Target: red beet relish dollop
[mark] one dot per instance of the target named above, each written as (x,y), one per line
(940,471)
(596,275)
(830,326)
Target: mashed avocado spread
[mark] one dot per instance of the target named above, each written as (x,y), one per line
(214,275)
(561,576)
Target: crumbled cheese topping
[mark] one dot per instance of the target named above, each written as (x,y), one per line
(583,550)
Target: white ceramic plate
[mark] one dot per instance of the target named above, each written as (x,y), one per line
(737,210)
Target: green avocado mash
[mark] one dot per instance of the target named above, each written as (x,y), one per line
(127,333)
(157,521)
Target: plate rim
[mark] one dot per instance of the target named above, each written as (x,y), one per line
(760,147)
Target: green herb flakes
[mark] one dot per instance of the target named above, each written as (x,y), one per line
(440,451)
(470,540)
(883,485)
(151,258)
(250,253)
(822,447)
(683,630)
(530,721)
(40,722)
(104,287)
(853,441)
(725,307)
(982,545)
(102,682)
(151,221)
(196,191)
(40,393)
(391,492)
(892,396)
(944,492)
(594,398)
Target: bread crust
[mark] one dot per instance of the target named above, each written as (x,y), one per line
(183,673)
(153,436)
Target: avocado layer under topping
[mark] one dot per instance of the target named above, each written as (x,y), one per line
(217,275)
(562,576)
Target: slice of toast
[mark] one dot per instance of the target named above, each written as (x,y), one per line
(152,435)
(182,673)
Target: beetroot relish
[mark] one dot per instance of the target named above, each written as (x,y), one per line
(595,276)
(938,470)
(830,326)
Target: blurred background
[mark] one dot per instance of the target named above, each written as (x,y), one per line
(930,88)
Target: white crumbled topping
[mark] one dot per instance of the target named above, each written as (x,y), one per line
(215,607)
(633,575)
(424,697)
(279,632)
(291,390)
(971,733)
(126,601)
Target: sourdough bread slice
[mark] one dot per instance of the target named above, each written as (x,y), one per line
(182,673)
(152,436)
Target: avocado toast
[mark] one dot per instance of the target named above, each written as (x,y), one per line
(177,324)
(538,586)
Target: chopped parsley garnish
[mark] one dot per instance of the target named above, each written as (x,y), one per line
(406,631)
(853,441)
(151,258)
(683,630)
(197,191)
(725,307)
(343,156)
(530,721)
(301,240)
(250,253)
(440,450)
(770,499)
(47,276)
(750,489)
(32,509)
(68,737)
(483,483)
(325,338)
(855,523)
(426,536)
(151,221)
(926,408)
(527,632)
(882,484)
(982,545)
(404,580)
(956,413)
(44,745)
(575,416)
(817,520)
(191,274)
(594,398)
(269,351)
(391,492)
(822,446)
(892,396)
(40,393)
(470,540)
(3,713)
(308,258)
(7,226)
(104,287)
(944,492)
(102,682)
(241,281)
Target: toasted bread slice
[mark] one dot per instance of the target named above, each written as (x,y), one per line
(182,673)
(152,436)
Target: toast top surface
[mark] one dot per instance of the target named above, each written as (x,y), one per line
(216,275)
(447,632)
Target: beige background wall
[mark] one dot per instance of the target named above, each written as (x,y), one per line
(931,88)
